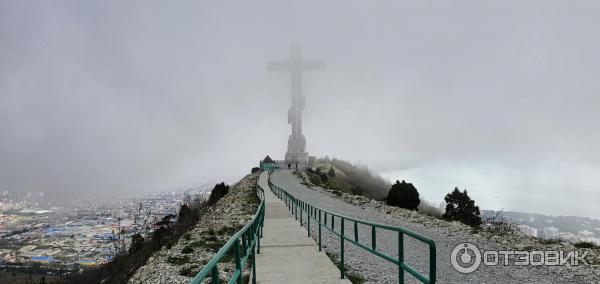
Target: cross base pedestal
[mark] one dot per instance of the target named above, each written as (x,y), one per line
(301,158)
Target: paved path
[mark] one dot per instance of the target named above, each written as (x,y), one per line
(287,254)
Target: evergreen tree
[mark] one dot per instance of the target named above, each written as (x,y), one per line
(460,207)
(218,191)
(324,177)
(185,214)
(137,243)
(404,195)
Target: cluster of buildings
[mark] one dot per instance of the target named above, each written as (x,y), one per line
(553,233)
(528,230)
(79,235)
(572,229)
(582,236)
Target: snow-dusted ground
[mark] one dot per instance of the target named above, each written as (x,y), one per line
(445,234)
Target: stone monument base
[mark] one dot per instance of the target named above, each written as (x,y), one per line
(301,158)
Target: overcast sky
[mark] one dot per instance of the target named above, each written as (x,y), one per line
(117,97)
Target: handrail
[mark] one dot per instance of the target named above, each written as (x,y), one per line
(249,236)
(321,216)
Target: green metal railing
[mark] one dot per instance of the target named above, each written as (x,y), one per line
(322,217)
(245,244)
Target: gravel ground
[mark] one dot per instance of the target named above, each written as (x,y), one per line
(446,235)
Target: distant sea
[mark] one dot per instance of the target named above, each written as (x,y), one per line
(551,188)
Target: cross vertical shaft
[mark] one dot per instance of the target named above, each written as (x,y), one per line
(296,150)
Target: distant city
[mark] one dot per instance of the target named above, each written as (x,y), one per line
(78,235)
(36,230)
(566,228)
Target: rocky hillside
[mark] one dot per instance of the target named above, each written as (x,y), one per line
(367,268)
(489,240)
(182,261)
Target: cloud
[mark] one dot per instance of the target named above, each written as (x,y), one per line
(121,97)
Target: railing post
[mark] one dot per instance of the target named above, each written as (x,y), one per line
(373,238)
(400,257)
(342,248)
(243,244)
(258,247)
(301,210)
(432,264)
(319,229)
(332,222)
(308,220)
(355,231)
(254,264)
(262,221)
(260,225)
(238,263)
(214,277)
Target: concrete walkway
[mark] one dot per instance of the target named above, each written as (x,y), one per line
(287,254)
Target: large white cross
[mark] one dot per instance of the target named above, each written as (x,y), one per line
(296,64)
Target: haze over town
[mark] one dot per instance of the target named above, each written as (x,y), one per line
(113,99)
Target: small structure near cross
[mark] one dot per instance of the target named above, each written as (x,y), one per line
(267,164)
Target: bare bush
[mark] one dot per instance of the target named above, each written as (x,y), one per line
(500,225)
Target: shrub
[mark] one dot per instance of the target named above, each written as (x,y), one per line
(331,172)
(255,170)
(178,260)
(587,245)
(356,190)
(185,214)
(550,241)
(315,178)
(218,191)
(189,271)
(187,249)
(137,243)
(460,207)
(500,225)
(404,195)
(324,177)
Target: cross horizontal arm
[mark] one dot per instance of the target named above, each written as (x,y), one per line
(313,64)
(295,65)
(279,65)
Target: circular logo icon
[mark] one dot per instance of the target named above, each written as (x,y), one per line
(465,258)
